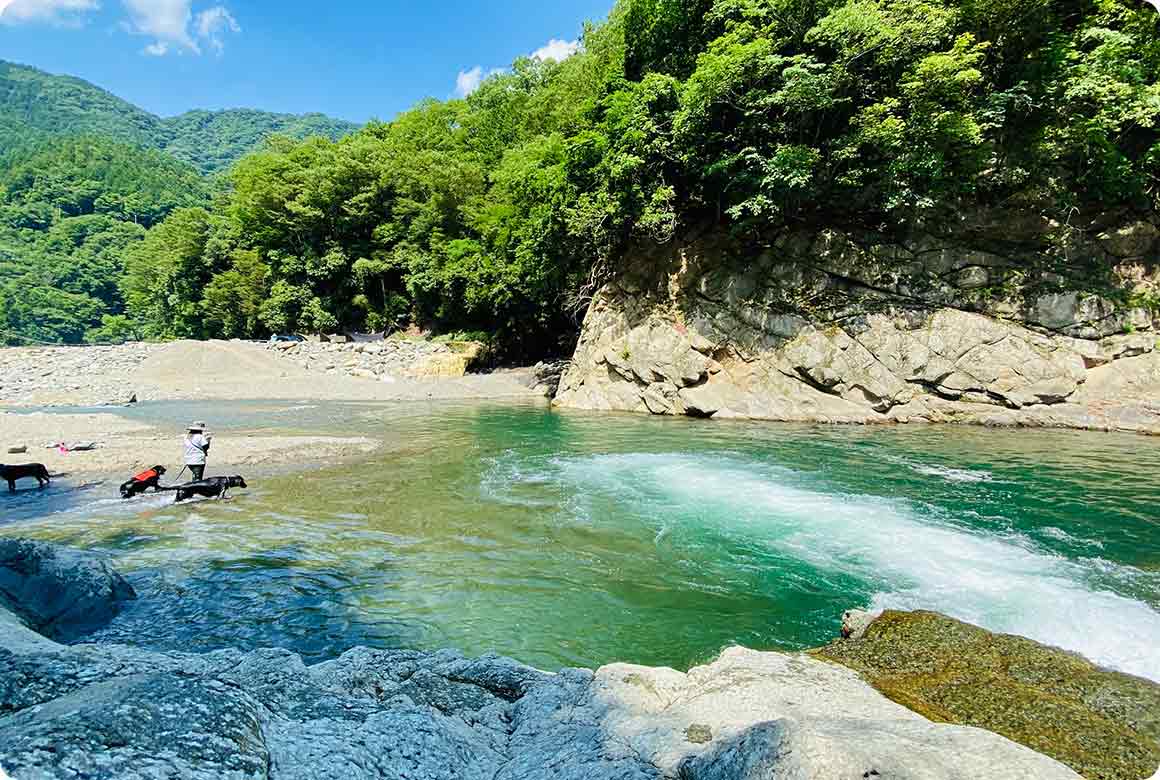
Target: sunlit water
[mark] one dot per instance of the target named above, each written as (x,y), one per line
(575,539)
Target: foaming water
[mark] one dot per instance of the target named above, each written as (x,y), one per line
(583,539)
(911,556)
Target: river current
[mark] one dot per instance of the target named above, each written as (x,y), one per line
(574,539)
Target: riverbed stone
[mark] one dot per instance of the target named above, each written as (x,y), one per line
(59,592)
(1103,724)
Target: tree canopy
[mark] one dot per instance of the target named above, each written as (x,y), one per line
(70,209)
(499,212)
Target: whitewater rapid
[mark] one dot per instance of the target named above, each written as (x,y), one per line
(909,556)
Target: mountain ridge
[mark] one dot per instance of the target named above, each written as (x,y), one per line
(35,103)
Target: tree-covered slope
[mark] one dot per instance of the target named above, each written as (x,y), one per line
(746,118)
(71,208)
(215,140)
(34,103)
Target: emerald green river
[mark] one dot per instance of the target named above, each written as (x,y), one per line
(573,539)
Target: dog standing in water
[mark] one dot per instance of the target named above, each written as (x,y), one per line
(35,471)
(146,480)
(214,487)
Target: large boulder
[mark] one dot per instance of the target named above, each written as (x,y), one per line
(59,592)
(755,715)
(1103,724)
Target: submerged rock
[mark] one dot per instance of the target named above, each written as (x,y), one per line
(57,592)
(1103,724)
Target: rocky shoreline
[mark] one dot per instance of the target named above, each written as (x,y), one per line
(107,711)
(124,447)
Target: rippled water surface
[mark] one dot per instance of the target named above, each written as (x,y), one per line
(574,539)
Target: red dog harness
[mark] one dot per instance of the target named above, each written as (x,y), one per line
(145,476)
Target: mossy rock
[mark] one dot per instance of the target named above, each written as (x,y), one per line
(1104,725)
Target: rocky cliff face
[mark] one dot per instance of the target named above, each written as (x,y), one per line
(989,323)
(104,711)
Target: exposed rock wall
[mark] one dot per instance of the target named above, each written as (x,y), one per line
(980,326)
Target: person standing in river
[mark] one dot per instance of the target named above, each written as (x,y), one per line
(197,443)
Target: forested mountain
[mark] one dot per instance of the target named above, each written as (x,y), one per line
(34,103)
(70,209)
(83,176)
(501,212)
(215,140)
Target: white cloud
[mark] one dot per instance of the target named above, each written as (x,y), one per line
(167,21)
(556,50)
(51,11)
(174,28)
(469,80)
(213,23)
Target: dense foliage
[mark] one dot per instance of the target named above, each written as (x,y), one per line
(34,102)
(499,212)
(70,209)
(215,140)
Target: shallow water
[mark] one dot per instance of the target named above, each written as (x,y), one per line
(575,539)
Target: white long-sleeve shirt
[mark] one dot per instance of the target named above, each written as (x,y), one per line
(196,446)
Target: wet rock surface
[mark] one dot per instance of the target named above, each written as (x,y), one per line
(1103,724)
(836,328)
(108,711)
(57,592)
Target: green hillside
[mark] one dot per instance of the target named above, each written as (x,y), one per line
(34,103)
(71,207)
(215,140)
(83,176)
(502,212)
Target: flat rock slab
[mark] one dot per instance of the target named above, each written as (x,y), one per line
(1101,723)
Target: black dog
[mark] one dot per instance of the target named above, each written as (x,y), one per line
(146,480)
(214,487)
(35,471)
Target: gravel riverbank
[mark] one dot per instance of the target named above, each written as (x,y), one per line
(234,370)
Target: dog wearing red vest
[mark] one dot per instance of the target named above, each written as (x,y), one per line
(146,480)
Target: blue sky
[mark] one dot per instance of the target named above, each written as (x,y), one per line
(356,59)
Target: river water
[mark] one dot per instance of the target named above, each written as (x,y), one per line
(574,539)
